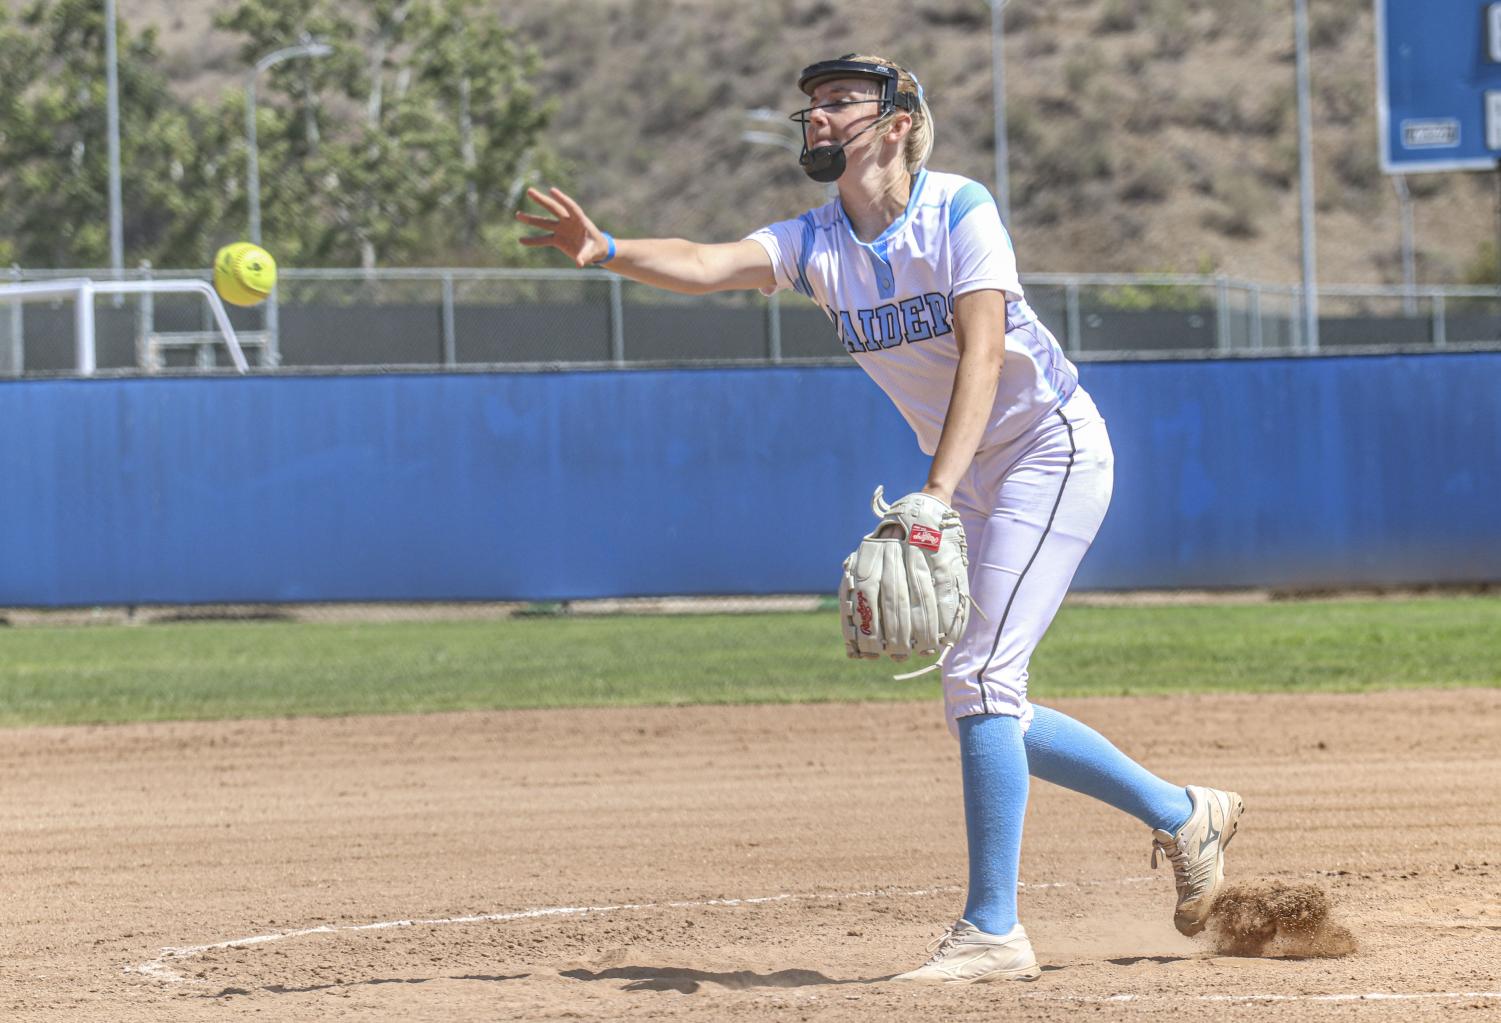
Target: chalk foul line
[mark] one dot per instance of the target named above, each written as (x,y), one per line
(160,968)
(1346,996)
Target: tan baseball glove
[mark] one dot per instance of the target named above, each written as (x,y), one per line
(907,593)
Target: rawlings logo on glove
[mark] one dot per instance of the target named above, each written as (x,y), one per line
(924,537)
(907,593)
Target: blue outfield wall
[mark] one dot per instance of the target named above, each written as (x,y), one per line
(1276,472)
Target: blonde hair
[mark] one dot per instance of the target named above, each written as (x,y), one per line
(919,144)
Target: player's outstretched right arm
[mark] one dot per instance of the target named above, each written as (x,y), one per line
(670,263)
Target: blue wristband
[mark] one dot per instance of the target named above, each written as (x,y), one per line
(608,255)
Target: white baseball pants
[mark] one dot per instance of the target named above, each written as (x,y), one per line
(1030,509)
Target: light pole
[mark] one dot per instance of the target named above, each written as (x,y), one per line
(112,123)
(998,104)
(307,48)
(271,352)
(1305,180)
(1409,263)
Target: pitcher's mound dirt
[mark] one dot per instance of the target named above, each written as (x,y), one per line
(772,863)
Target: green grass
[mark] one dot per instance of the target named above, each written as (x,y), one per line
(260,669)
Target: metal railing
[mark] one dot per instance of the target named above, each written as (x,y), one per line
(82,291)
(425,318)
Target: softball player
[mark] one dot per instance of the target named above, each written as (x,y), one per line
(918,277)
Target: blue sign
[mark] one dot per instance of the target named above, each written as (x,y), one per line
(1439,84)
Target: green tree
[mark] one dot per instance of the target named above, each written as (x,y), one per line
(480,76)
(404,145)
(20,63)
(408,144)
(53,146)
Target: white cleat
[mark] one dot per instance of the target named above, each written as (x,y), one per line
(964,954)
(1197,853)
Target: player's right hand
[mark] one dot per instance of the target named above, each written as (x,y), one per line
(569,229)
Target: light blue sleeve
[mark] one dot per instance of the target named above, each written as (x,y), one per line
(788,243)
(980,248)
(784,245)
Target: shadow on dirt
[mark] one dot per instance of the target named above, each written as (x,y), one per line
(1133,960)
(686,981)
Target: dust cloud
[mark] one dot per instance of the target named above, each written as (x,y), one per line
(1277,918)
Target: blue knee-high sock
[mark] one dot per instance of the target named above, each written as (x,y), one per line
(1069,753)
(994,764)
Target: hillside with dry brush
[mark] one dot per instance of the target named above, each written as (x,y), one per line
(1145,134)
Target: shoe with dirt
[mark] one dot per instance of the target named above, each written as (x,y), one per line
(964,954)
(1197,853)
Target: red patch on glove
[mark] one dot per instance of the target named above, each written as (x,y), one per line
(925,537)
(862,608)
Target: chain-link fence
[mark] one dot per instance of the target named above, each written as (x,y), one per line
(450,318)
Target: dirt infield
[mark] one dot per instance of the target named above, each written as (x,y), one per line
(722,863)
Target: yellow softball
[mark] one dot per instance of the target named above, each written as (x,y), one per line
(244,273)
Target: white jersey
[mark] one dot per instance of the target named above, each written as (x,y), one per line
(892,302)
